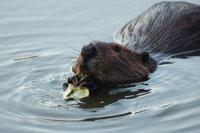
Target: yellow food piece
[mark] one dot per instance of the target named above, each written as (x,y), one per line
(75,92)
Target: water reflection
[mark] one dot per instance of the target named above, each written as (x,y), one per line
(106,97)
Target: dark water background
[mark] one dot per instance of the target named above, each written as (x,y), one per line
(39,42)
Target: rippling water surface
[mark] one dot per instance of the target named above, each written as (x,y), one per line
(40,40)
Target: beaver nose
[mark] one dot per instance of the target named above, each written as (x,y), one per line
(89,50)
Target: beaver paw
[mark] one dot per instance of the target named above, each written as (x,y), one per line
(77,81)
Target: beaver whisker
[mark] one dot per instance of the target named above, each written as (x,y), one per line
(74,49)
(89,37)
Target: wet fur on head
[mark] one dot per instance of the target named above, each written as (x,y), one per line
(113,63)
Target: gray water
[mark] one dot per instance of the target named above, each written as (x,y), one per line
(39,42)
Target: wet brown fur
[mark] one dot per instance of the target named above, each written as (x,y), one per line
(166,28)
(113,64)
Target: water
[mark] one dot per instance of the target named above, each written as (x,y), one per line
(39,42)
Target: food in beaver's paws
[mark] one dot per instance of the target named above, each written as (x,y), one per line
(78,87)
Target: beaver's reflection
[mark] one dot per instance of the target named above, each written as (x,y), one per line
(107,96)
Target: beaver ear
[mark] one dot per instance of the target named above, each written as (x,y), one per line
(145,57)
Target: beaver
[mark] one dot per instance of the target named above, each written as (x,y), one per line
(165,29)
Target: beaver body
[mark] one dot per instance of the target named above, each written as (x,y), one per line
(166,28)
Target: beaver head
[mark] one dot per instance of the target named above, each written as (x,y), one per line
(113,63)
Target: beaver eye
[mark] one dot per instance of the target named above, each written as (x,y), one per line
(117,49)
